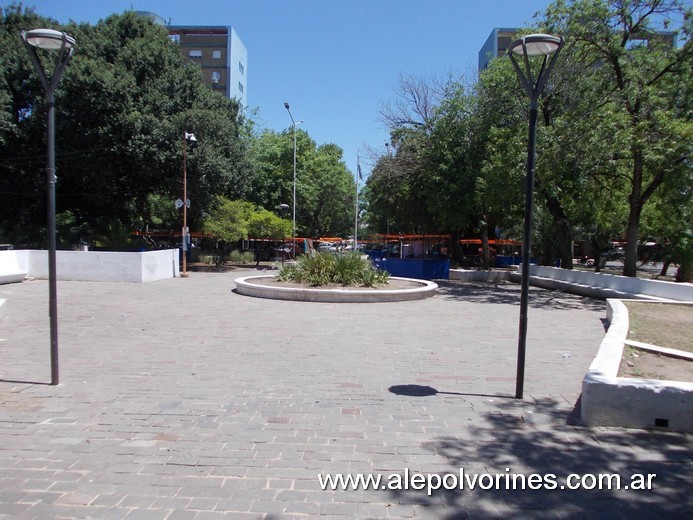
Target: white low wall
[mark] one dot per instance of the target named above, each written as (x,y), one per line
(12,267)
(606,285)
(479,275)
(96,266)
(608,400)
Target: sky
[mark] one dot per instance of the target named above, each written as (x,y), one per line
(334,61)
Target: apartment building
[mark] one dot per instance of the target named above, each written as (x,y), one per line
(496,45)
(499,40)
(219,52)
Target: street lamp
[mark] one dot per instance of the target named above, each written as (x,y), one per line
(188,139)
(52,40)
(293,232)
(543,45)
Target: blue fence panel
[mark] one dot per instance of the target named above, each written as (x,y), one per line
(419,268)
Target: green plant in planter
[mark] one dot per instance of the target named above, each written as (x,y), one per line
(325,268)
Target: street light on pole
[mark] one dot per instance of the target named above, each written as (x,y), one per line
(543,45)
(191,140)
(293,232)
(51,40)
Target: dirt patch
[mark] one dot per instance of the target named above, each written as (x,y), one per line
(664,325)
(641,363)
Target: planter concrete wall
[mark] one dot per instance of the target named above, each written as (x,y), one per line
(95,266)
(609,400)
(253,286)
(13,266)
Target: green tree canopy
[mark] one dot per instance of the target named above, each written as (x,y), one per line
(635,84)
(122,107)
(233,220)
(325,190)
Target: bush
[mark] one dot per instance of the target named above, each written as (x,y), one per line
(206,259)
(325,268)
(242,257)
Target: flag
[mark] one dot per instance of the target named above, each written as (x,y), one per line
(358,169)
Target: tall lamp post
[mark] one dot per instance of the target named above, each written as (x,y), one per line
(52,40)
(294,124)
(532,45)
(188,139)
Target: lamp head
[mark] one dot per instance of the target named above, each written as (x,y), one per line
(190,138)
(286,105)
(536,45)
(49,39)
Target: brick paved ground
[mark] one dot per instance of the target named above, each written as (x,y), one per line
(181,399)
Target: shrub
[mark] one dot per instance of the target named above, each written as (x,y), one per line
(241,257)
(325,268)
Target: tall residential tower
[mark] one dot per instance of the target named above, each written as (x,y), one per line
(221,55)
(219,52)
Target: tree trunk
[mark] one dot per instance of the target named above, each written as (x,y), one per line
(456,250)
(665,267)
(630,262)
(563,231)
(486,254)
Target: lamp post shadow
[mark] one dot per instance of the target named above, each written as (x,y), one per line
(425,391)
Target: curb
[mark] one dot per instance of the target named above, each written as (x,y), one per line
(246,288)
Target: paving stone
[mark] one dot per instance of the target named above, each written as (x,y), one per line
(182,399)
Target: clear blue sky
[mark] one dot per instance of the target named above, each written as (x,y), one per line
(334,61)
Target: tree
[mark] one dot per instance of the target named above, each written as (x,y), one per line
(396,189)
(636,78)
(325,189)
(124,102)
(22,153)
(230,221)
(440,178)
(265,224)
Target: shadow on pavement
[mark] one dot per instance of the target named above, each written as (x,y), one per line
(15,382)
(504,449)
(509,293)
(423,391)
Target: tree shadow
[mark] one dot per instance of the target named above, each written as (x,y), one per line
(509,293)
(511,443)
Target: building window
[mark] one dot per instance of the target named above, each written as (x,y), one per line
(241,67)
(175,38)
(216,76)
(196,54)
(636,42)
(240,87)
(216,54)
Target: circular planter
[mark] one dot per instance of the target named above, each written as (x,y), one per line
(407,289)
